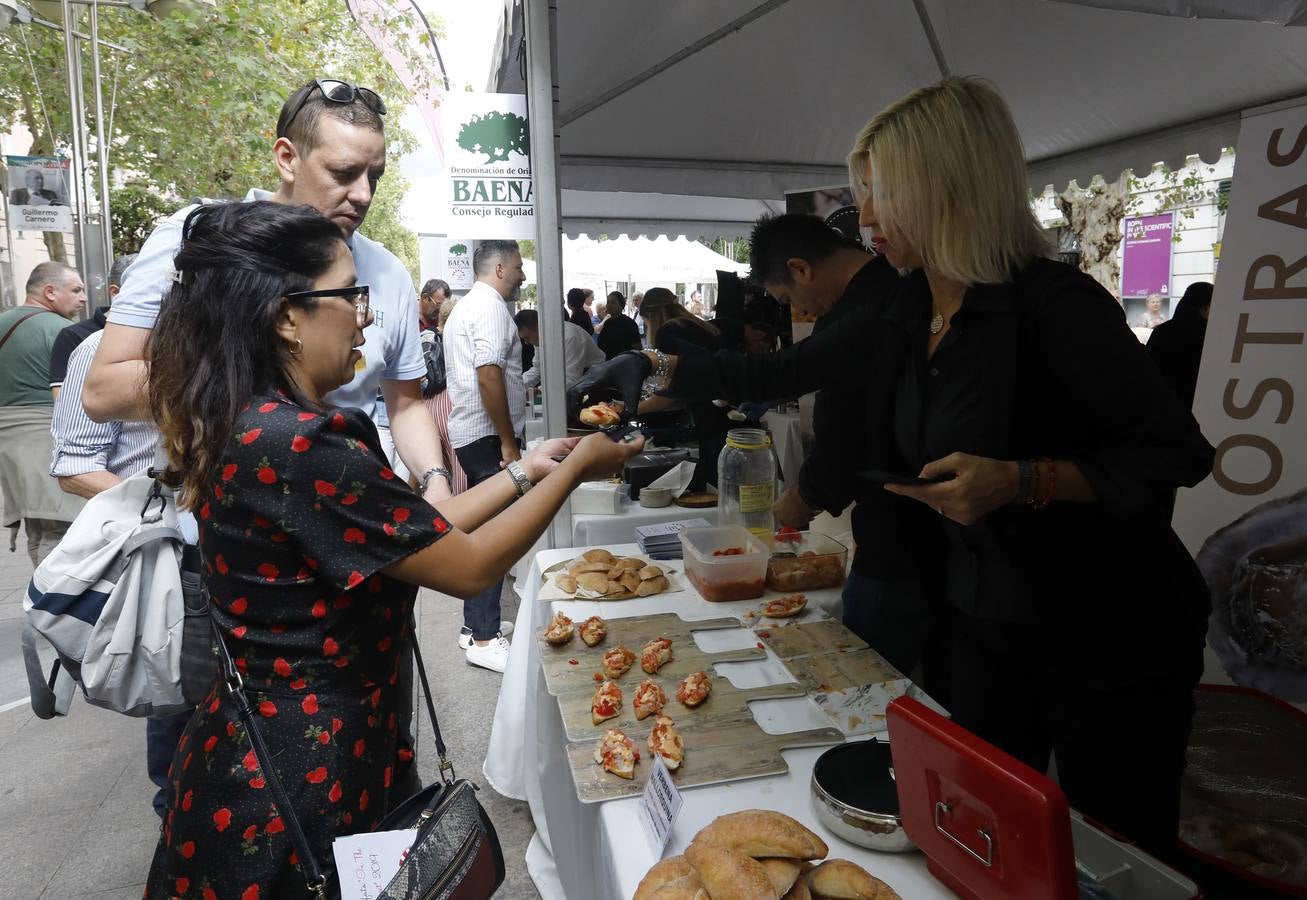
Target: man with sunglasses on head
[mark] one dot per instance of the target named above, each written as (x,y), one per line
(329,153)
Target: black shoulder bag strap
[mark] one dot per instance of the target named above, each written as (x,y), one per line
(314,877)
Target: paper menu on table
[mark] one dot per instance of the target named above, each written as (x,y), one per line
(366,862)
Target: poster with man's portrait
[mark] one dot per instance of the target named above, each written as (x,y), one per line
(37,188)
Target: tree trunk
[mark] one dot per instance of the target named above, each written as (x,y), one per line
(1095,215)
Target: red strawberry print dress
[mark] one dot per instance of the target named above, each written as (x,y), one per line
(303,516)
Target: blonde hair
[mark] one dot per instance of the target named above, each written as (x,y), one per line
(661,307)
(949,175)
(445,309)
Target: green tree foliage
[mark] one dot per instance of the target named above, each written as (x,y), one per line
(195,102)
(495,134)
(135,210)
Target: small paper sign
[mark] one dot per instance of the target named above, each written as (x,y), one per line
(659,805)
(366,862)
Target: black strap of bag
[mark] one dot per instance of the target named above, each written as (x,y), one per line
(21,319)
(479,861)
(314,878)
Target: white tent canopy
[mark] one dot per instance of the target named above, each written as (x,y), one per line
(588,262)
(750,98)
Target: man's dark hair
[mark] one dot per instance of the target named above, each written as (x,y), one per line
(777,239)
(615,303)
(303,130)
(488,253)
(433,285)
(575,298)
(527,318)
(119,268)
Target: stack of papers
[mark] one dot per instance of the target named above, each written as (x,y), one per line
(661,541)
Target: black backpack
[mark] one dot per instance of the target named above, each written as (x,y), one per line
(433,351)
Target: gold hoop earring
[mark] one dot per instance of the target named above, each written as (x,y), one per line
(297,347)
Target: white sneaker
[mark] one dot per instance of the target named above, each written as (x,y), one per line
(465,634)
(493,656)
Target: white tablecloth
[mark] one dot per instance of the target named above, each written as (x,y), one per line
(787,438)
(601,530)
(584,851)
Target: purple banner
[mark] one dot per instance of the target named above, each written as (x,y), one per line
(1146,256)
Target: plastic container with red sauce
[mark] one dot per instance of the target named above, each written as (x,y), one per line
(725,563)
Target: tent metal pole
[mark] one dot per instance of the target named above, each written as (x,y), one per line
(923,15)
(101,146)
(703,43)
(76,185)
(541,17)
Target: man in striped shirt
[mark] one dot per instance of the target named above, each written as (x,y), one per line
(90,457)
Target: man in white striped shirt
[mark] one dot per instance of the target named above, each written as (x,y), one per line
(483,372)
(90,457)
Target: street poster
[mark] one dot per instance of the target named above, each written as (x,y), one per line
(1146,255)
(37,188)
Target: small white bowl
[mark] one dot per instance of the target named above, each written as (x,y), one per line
(655,497)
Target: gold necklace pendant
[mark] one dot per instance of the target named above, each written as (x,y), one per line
(937,323)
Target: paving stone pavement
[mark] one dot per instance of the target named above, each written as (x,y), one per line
(75,815)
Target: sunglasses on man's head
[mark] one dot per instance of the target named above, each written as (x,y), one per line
(342,92)
(356,294)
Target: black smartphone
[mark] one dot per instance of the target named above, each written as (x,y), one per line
(878,476)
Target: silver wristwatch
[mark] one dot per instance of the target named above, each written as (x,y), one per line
(425,480)
(518,474)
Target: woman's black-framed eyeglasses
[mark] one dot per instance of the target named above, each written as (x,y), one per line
(335,91)
(357,294)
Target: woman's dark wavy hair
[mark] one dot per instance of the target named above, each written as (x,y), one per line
(215,345)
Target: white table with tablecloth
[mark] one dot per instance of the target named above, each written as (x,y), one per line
(598,851)
(605,529)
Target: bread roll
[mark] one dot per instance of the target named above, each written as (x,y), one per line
(628,563)
(662,872)
(630,582)
(614,587)
(593,581)
(799,891)
(652,586)
(649,571)
(763,832)
(729,875)
(781,872)
(566,583)
(599,556)
(839,879)
(687,887)
(580,568)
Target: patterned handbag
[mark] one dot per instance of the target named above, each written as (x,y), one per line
(456,853)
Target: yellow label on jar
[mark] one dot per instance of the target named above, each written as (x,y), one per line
(757,497)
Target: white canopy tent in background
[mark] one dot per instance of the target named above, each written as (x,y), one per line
(747,99)
(588,262)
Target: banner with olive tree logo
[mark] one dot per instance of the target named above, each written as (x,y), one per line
(487,157)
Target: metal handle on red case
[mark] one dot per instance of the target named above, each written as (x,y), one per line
(942,809)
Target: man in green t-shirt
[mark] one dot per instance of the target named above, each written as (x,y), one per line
(55,293)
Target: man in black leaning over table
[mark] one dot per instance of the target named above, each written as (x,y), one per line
(812,268)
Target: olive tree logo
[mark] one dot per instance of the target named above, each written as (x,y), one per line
(458,250)
(495,134)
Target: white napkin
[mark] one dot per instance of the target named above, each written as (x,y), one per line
(677,478)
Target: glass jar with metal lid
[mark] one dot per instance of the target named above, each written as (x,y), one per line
(746,480)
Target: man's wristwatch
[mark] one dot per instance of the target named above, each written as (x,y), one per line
(518,474)
(425,480)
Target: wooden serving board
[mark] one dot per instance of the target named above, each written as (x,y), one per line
(634,632)
(726,703)
(726,752)
(823,672)
(808,638)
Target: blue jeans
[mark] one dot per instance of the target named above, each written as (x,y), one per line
(480,461)
(161,737)
(892,616)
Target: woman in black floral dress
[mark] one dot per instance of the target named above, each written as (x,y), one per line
(313,548)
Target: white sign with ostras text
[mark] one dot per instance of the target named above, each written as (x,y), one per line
(456,260)
(1247,523)
(487,158)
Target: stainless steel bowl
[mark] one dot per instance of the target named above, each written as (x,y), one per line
(874,830)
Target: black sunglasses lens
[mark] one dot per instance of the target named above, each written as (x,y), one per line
(372,100)
(337,91)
